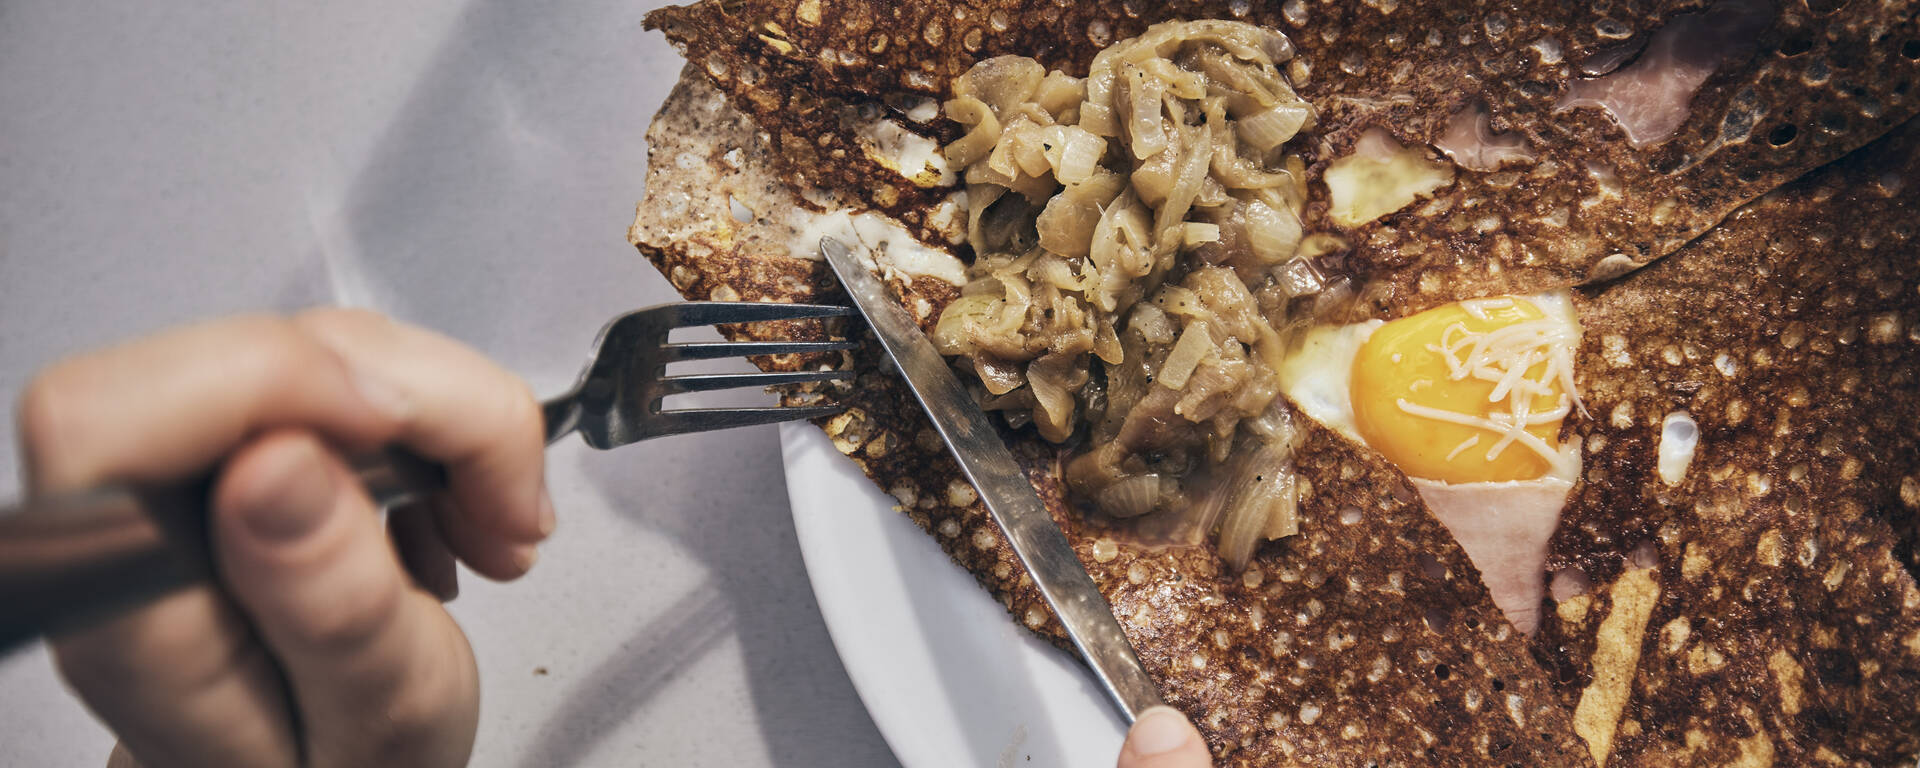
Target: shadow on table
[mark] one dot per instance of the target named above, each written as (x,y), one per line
(612,691)
(541,107)
(799,686)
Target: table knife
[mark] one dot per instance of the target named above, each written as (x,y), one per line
(1009,497)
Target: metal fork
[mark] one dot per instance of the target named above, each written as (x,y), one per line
(70,559)
(617,398)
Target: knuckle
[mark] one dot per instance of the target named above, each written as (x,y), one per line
(346,621)
(252,333)
(341,318)
(206,663)
(266,349)
(281,356)
(423,696)
(418,707)
(507,413)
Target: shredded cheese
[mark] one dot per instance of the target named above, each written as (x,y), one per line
(1464,444)
(1509,429)
(1478,307)
(1503,357)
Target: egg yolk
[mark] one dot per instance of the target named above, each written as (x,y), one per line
(1439,393)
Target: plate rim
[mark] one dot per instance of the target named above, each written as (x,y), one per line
(1049,716)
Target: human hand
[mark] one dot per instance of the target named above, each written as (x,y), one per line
(324,642)
(1162,738)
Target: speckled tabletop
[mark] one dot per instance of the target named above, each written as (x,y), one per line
(468,166)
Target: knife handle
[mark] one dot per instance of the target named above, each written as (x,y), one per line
(71,559)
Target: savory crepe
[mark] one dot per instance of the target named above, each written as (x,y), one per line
(1727,516)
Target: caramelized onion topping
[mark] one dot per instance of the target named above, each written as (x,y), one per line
(1137,246)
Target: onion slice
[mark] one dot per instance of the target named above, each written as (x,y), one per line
(1130,497)
(1275,125)
(1262,490)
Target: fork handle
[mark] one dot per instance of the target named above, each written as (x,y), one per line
(70,559)
(561,415)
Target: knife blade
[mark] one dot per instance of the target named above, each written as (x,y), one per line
(1009,497)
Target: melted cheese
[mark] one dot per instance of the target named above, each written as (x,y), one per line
(1381,176)
(894,251)
(916,157)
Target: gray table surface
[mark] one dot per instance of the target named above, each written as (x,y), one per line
(470,166)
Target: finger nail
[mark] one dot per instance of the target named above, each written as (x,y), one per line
(299,494)
(524,558)
(1158,731)
(548,521)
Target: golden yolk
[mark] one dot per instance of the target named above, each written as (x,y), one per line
(1402,362)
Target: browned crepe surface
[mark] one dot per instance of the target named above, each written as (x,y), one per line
(1370,640)
(1815,83)
(1780,619)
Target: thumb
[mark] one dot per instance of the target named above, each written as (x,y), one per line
(1162,738)
(378,672)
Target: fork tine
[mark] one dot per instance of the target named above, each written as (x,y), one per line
(710,350)
(682,422)
(707,382)
(717,312)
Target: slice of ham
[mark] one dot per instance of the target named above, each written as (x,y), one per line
(1505,528)
(1651,97)
(1472,144)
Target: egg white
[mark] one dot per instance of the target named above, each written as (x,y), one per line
(1318,377)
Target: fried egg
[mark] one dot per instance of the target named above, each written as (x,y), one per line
(1468,400)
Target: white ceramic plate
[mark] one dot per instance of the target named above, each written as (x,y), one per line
(948,676)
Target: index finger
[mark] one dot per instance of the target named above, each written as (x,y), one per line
(467,412)
(175,403)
